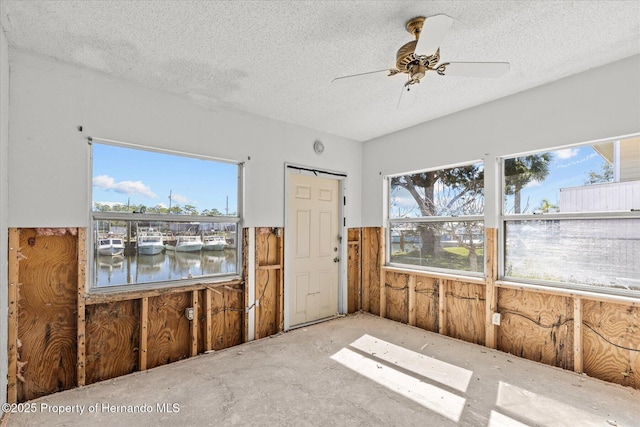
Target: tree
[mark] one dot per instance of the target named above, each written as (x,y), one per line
(426,188)
(190,210)
(546,206)
(520,171)
(211,212)
(605,174)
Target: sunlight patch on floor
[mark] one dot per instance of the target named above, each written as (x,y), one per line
(429,396)
(542,410)
(428,367)
(496,419)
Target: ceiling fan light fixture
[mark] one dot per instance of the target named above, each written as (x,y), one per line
(417,71)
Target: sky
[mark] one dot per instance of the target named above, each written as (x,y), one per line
(122,175)
(569,167)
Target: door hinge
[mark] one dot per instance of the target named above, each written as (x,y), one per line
(344,201)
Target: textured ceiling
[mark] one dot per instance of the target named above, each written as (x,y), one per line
(278,58)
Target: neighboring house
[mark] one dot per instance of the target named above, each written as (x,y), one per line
(621,195)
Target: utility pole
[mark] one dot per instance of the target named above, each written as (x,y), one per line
(170,201)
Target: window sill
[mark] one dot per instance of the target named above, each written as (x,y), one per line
(124,293)
(449,276)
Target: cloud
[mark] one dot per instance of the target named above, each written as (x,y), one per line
(179,199)
(567,153)
(105,182)
(575,162)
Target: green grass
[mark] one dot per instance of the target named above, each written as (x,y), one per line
(456,258)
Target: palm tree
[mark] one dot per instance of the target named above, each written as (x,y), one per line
(520,171)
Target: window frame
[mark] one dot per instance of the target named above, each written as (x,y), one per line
(555,216)
(94,216)
(433,219)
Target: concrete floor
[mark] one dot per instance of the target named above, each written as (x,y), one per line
(354,370)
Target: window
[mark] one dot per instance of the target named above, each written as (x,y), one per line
(571,216)
(160,218)
(436,219)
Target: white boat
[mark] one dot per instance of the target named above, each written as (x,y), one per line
(185,244)
(214,243)
(110,246)
(150,243)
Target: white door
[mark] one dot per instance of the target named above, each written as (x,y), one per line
(314,254)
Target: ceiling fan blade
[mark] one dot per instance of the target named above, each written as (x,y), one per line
(475,69)
(361,74)
(433,31)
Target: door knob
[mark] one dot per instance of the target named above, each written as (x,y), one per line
(336,259)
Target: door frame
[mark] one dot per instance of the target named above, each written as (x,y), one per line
(341,177)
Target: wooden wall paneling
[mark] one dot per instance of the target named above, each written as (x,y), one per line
(372,260)
(48,277)
(217,319)
(80,310)
(267,277)
(383,294)
(465,307)
(426,303)
(396,292)
(537,327)
(144,333)
(365,255)
(611,342)
(114,339)
(354,266)
(442,307)
(411,300)
(266,291)
(12,320)
(280,293)
(233,315)
(169,337)
(208,326)
(194,323)
(245,280)
(577,336)
(491,292)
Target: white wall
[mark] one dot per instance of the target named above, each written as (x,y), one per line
(4,143)
(599,103)
(50,182)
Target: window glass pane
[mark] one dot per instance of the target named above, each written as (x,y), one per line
(128,180)
(138,252)
(600,252)
(452,245)
(446,192)
(589,178)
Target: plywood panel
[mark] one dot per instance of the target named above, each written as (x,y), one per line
(218,324)
(372,259)
(169,337)
(266,292)
(12,314)
(112,342)
(611,342)
(354,265)
(536,326)
(465,311)
(427,303)
(227,316)
(233,315)
(267,247)
(397,293)
(47,300)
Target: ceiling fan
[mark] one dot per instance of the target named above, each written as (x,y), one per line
(421,55)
